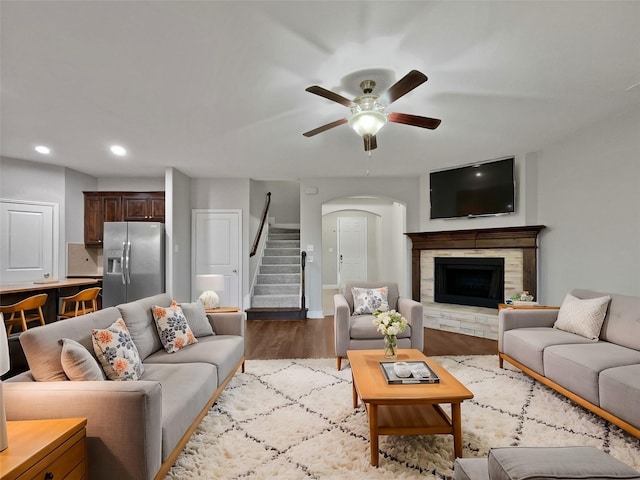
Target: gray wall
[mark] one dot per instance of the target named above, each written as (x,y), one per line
(227,193)
(525,194)
(285,202)
(330,242)
(133,184)
(589,199)
(178,235)
(75,184)
(585,189)
(37,182)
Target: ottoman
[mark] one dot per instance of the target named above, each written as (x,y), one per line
(541,463)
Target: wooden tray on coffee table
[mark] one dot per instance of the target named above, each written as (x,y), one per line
(406,409)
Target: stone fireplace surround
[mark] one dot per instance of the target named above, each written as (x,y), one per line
(517,245)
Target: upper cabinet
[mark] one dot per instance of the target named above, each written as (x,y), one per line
(100,207)
(143,207)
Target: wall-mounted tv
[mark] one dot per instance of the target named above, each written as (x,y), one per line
(486,188)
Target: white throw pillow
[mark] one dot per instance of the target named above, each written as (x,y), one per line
(368,300)
(582,316)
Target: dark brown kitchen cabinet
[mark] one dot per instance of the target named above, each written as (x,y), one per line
(100,207)
(143,207)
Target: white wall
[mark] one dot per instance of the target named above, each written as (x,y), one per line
(404,190)
(589,199)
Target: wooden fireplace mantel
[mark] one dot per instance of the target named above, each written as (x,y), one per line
(525,238)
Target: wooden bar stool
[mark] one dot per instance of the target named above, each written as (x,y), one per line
(16,314)
(82,302)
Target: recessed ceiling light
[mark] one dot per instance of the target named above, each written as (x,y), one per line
(43,150)
(118,150)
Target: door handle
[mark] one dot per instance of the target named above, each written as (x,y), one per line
(128,262)
(122,264)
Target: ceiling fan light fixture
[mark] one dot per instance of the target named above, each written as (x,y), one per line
(367,122)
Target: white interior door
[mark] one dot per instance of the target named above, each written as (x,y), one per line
(28,241)
(217,244)
(352,249)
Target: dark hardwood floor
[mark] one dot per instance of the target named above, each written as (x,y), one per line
(313,338)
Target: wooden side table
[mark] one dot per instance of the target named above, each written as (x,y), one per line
(45,449)
(527,307)
(222,310)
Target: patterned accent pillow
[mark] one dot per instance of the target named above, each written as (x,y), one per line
(368,300)
(582,317)
(78,364)
(117,353)
(173,328)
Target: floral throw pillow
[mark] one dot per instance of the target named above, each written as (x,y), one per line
(173,328)
(368,300)
(117,353)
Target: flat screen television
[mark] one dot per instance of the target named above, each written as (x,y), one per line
(486,188)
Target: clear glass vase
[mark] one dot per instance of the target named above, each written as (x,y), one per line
(390,347)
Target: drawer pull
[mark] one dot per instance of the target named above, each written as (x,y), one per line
(48,476)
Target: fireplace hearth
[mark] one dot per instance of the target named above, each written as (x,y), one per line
(469,281)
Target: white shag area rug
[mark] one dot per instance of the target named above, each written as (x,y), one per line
(294,419)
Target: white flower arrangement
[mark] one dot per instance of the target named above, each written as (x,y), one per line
(389,323)
(522,297)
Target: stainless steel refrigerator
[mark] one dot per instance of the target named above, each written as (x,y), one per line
(133,255)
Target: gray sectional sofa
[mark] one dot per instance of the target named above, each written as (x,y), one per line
(602,375)
(135,429)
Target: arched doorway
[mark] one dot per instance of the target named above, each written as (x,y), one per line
(385,256)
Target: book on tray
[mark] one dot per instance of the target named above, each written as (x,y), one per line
(408,372)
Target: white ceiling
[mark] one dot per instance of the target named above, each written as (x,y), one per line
(217,89)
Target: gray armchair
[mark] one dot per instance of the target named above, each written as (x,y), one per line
(357,332)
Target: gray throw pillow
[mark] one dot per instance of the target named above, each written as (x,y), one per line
(539,463)
(197,319)
(78,364)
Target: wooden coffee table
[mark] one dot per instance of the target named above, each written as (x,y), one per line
(408,409)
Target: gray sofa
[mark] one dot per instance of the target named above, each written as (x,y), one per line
(135,429)
(602,376)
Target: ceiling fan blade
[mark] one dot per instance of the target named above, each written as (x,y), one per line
(323,128)
(370,142)
(414,120)
(403,86)
(323,92)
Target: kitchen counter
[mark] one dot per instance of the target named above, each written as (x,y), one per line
(49,285)
(11,293)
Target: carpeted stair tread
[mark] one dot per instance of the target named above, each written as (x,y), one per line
(278,278)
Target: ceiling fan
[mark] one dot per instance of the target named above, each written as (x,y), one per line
(368,114)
